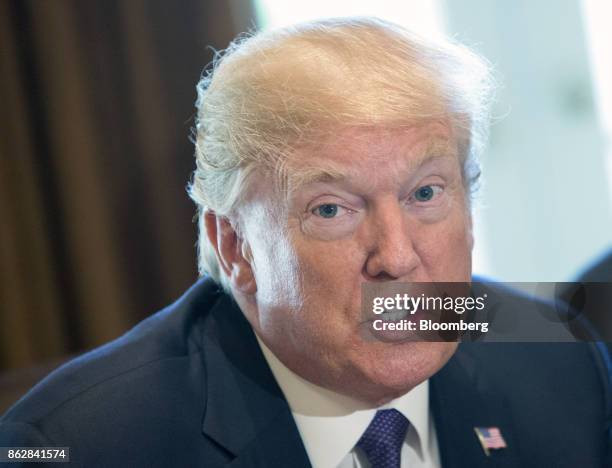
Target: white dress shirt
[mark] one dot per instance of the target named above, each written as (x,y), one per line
(331,424)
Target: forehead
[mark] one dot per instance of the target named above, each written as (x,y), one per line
(351,152)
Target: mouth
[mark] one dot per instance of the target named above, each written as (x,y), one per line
(399,312)
(393,315)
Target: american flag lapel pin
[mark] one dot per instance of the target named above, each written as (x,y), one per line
(490,438)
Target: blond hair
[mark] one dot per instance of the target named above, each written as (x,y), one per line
(269,92)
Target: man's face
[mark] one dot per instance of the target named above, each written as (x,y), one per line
(391,208)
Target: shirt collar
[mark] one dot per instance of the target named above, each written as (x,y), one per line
(330,424)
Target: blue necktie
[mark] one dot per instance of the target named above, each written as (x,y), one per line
(382,440)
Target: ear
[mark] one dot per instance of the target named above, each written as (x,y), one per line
(233,252)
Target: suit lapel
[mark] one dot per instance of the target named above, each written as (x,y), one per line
(246,412)
(463,398)
(277,444)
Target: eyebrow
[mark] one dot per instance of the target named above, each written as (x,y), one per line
(332,172)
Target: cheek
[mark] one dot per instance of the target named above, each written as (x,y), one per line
(276,270)
(328,266)
(445,249)
(331,279)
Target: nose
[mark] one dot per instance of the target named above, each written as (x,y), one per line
(392,254)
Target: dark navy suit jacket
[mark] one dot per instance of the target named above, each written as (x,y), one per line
(190,387)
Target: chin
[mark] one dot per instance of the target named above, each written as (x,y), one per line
(398,368)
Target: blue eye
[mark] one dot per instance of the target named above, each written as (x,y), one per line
(424,193)
(328,210)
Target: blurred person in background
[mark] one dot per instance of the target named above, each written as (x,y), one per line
(598,270)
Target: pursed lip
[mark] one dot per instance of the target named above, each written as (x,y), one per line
(398,315)
(427,290)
